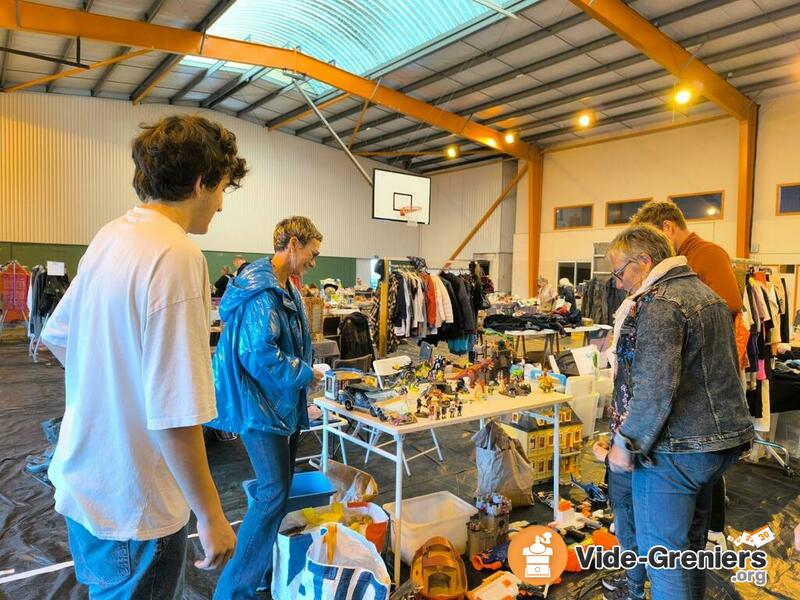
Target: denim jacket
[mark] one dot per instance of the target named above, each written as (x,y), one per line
(677,388)
(262,364)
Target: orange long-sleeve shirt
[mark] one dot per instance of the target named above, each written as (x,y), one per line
(713,266)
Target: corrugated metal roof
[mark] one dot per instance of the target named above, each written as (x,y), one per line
(532,73)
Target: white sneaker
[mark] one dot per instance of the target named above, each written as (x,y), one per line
(716,538)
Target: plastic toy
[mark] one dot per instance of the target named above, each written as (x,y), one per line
(498,586)
(492,559)
(439,571)
(337,380)
(597,493)
(358,396)
(546,384)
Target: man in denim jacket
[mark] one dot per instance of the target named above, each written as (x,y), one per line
(681,408)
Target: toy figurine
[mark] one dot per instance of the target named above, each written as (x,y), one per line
(452,409)
(546,383)
(460,407)
(429,405)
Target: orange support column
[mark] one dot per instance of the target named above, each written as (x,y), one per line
(748,132)
(535,170)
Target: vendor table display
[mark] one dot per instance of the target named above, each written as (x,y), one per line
(492,405)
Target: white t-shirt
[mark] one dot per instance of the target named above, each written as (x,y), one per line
(134,330)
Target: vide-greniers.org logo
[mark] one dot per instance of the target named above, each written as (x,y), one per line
(751,564)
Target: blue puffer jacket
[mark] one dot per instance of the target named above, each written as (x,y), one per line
(262,365)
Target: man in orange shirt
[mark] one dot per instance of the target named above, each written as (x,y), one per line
(709,260)
(713,266)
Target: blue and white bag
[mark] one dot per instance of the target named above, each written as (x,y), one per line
(349,570)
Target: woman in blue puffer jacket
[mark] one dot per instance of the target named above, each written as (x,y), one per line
(262,369)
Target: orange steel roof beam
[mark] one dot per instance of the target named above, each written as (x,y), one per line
(39,18)
(640,33)
(71,72)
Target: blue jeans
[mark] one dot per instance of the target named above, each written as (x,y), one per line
(272,457)
(130,570)
(621,496)
(673,509)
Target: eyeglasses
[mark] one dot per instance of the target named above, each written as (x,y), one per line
(621,271)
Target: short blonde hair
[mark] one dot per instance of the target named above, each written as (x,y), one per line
(300,227)
(642,239)
(656,212)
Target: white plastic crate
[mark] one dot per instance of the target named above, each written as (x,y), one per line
(438,514)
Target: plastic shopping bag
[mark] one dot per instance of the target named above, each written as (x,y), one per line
(342,564)
(289,556)
(502,466)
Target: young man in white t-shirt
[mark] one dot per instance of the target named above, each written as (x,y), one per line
(132,332)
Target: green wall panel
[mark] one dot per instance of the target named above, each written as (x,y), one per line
(31,255)
(38,254)
(5,252)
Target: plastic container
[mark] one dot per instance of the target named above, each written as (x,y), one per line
(308,490)
(438,514)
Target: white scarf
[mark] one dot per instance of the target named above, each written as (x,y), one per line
(658,272)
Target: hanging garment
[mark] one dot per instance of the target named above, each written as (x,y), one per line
(354,335)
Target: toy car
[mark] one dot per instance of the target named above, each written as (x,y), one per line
(358,396)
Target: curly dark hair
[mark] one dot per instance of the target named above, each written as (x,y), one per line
(171,154)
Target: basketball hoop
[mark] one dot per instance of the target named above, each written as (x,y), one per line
(408,213)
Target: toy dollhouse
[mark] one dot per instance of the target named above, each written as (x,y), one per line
(536,437)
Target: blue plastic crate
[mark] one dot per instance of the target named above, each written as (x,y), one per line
(308,490)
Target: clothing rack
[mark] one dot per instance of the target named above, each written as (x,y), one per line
(383,325)
(771,447)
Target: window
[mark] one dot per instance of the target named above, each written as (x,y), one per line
(570,217)
(541,466)
(576,272)
(620,212)
(789,199)
(700,207)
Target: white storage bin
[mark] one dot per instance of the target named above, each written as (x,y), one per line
(438,514)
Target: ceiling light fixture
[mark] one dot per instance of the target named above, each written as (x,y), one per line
(683,96)
(584,120)
(451,152)
(510,137)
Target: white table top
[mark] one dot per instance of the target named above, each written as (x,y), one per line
(546,332)
(530,333)
(493,406)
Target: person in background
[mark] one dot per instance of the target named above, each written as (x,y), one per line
(132,333)
(713,266)
(680,418)
(709,260)
(221,284)
(262,368)
(239,263)
(547,295)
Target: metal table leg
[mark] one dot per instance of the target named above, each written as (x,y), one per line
(398,504)
(325,420)
(556,461)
